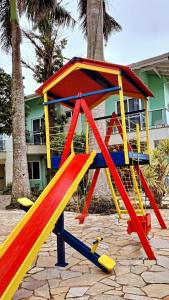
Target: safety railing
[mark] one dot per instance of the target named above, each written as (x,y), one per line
(2,145)
(35,137)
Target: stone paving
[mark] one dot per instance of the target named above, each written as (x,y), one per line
(134,277)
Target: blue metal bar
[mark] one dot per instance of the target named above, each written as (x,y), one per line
(75,97)
(82,249)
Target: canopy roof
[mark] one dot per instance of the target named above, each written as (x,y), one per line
(81,75)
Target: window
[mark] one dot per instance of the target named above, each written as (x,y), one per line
(68,113)
(38,135)
(34,169)
(132,106)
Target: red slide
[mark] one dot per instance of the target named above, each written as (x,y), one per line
(25,244)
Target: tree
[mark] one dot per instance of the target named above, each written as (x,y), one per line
(97,26)
(157,171)
(11,38)
(5,103)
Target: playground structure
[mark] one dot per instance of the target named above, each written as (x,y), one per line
(81,85)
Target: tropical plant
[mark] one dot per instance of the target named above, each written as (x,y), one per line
(5,103)
(11,39)
(158,170)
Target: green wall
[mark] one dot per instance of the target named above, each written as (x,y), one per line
(42,182)
(35,111)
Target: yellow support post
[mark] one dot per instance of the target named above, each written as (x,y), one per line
(140,201)
(123,119)
(113,192)
(72,147)
(138,138)
(87,137)
(147,127)
(46,112)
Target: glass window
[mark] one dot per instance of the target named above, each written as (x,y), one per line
(38,134)
(34,169)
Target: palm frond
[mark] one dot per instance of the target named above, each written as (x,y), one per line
(109,23)
(5,25)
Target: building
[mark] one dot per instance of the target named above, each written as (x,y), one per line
(155,74)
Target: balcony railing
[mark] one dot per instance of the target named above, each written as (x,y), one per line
(157,118)
(35,138)
(2,145)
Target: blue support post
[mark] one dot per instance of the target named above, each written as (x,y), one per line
(59,230)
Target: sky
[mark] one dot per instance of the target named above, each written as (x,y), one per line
(145,34)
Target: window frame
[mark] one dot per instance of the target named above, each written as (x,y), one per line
(32,161)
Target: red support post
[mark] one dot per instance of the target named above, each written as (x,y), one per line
(84,213)
(118,182)
(146,188)
(88,199)
(71,131)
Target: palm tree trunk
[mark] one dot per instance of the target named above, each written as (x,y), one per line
(20,184)
(95,50)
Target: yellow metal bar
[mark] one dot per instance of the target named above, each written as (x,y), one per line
(138,138)
(107,172)
(47,230)
(135,183)
(125,211)
(46,112)
(99,69)
(123,119)
(87,137)
(72,147)
(147,126)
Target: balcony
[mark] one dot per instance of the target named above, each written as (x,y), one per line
(35,142)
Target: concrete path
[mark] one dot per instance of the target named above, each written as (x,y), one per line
(134,277)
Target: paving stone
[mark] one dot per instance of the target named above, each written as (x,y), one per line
(107,297)
(163,261)
(130,279)
(157,290)
(114,292)
(69,274)
(138,269)
(75,292)
(43,291)
(80,298)
(22,294)
(156,268)
(35,270)
(59,297)
(48,273)
(84,280)
(159,243)
(98,288)
(59,290)
(35,298)
(33,284)
(46,261)
(132,290)
(110,282)
(155,277)
(53,283)
(137,297)
(120,270)
(81,269)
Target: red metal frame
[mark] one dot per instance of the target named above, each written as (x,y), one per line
(143,239)
(143,181)
(71,131)
(88,199)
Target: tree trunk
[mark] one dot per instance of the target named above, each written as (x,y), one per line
(20,184)
(95,50)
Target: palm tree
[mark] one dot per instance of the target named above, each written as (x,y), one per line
(97,26)
(11,38)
